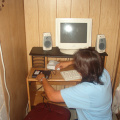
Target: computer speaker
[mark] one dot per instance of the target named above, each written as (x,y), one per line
(47,41)
(100,43)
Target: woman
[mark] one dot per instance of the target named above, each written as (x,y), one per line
(91,98)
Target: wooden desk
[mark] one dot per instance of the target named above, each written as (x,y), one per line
(39,62)
(34,96)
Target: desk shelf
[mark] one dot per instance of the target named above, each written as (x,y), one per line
(40,56)
(38,61)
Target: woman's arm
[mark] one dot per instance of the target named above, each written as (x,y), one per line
(64,64)
(52,94)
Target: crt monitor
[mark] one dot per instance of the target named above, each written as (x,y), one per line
(73,34)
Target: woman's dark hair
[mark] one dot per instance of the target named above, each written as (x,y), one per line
(89,64)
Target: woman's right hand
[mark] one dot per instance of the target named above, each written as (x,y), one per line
(64,64)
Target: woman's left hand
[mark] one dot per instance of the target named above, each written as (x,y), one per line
(40,77)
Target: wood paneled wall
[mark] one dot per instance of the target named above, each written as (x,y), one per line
(116,80)
(40,17)
(13,42)
(117,76)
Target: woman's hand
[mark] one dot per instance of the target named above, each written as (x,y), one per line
(40,77)
(64,64)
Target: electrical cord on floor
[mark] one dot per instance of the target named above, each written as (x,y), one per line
(5,81)
(37,88)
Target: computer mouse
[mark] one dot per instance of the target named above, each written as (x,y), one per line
(58,68)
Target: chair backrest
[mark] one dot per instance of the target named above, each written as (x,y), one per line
(48,111)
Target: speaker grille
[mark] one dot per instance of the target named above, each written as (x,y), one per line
(102,46)
(47,44)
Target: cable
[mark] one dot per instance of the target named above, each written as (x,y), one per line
(5,81)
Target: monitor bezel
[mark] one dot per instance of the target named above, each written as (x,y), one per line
(73,45)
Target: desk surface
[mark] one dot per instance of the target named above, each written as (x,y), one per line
(55,75)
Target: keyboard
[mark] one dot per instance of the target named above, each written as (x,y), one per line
(70,75)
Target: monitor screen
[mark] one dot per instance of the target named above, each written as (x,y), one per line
(73,33)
